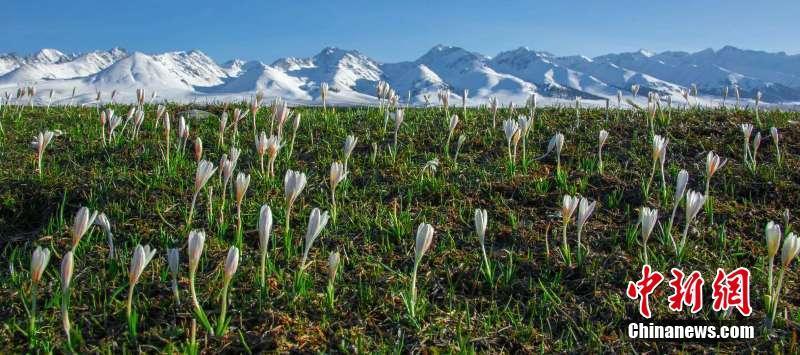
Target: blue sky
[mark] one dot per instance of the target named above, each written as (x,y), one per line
(399,30)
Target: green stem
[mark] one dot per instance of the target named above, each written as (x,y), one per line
(129,311)
(199,310)
(565,243)
(669,226)
(600,160)
(65,316)
(771,265)
(777,295)
(333,205)
(447,145)
(191,210)
(650,180)
(486,262)
(263,270)
(32,323)
(291,145)
(239,225)
(223,308)
(413,304)
(287,243)
(683,238)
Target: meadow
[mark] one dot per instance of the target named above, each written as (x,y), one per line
(401,261)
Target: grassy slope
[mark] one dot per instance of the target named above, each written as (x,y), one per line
(538,304)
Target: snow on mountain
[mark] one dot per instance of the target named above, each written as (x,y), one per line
(233,67)
(352,76)
(411,77)
(462,69)
(343,70)
(779,68)
(137,71)
(9,62)
(552,78)
(777,75)
(193,67)
(49,65)
(256,76)
(49,56)
(618,78)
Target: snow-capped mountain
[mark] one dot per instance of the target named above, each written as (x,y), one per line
(11,61)
(138,70)
(256,76)
(193,68)
(461,69)
(511,76)
(344,71)
(51,64)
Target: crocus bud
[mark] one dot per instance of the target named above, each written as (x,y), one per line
(293,184)
(316,222)
(585,210)
(790,248)
(481,220)
(337,174)
(602,137)
(556,143)
(648,218)
(83,220)
(242,182)
(205,170)
(510,128)
(453,122)
(141,257)
(264,227)
(568,206)
(773,234)
(349,144)
(198,149)
(424,240)
(173,261)
(39,260)
(333,266)
(197,240)
(694,202)
(680,184)
(713,163)
(398,119)
(231,262)
(67,266)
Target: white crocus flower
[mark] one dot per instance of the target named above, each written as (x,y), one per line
(601,141)
(205,170)
(648,218)
(293,184)
(316,222)
(105,224)
(81,223)
(713,163)
(349,144)
(423,242)
(481,221)
(264,230)
(173,261)
(585,210)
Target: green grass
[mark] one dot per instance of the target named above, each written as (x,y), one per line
(536,302)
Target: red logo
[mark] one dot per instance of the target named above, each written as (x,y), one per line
(730,290)
(687,292)
(643,288)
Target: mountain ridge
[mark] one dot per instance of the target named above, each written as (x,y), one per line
(352,76)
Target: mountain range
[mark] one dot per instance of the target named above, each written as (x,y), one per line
(511,76)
